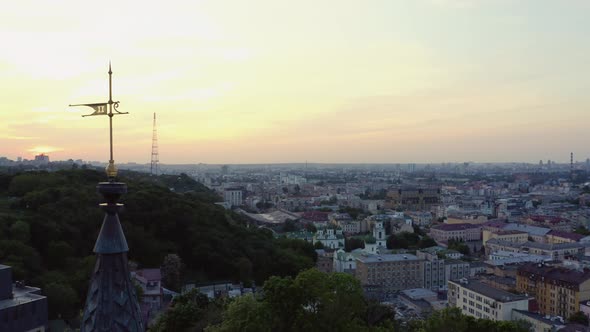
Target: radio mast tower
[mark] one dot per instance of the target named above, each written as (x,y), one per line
(155,160)
(572,165)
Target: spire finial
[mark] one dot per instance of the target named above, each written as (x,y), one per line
(107,109)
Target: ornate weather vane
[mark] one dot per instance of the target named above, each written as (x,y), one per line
(107,109)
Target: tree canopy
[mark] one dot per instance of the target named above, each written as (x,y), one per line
(407,240)
(49,222)
(313,301)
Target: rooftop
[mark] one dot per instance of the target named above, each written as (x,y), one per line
(489,291)
(533,230)
(419,293)
(315,215)
(538,245)
(21,295)
(455,227)
(567,235)
(555,273)
(547,219)
(509,232)
(451,261)
(494,224)
(369,258)
(535,316)
(274,217)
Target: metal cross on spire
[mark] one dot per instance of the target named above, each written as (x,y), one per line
(107,109)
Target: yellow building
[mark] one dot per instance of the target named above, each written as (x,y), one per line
(505,235)
(563,237)
(558,290)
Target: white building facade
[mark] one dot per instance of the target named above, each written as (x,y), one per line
(479,300)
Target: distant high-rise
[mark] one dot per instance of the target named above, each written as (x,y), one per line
(42,159)
(155,157)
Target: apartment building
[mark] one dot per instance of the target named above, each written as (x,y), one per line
(480,300)
(556,251)
(558,290)
(462,232)
(389,272)
(553,222)
(233,196)
(535,232)
(505,235)
(416,199)
(563,237)
(433,270)
(437,271)
(456,269)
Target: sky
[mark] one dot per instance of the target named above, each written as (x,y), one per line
(271,81)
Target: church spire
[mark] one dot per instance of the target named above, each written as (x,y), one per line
(111,303)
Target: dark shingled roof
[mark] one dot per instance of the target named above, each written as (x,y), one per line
(567,235)
(111,303)
(555,273)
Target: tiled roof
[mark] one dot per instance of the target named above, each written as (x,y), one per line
(315,215)
(556,273)
(566,235)
(550,219)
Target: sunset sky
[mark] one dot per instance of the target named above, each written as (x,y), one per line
(266,81)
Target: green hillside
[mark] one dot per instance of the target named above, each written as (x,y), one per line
(49,223)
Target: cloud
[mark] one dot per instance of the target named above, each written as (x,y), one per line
(20,138)
(457,4)
(44,149)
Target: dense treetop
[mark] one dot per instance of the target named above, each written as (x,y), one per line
(49,222)
(312,301)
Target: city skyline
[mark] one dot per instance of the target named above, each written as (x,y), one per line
(278,82)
